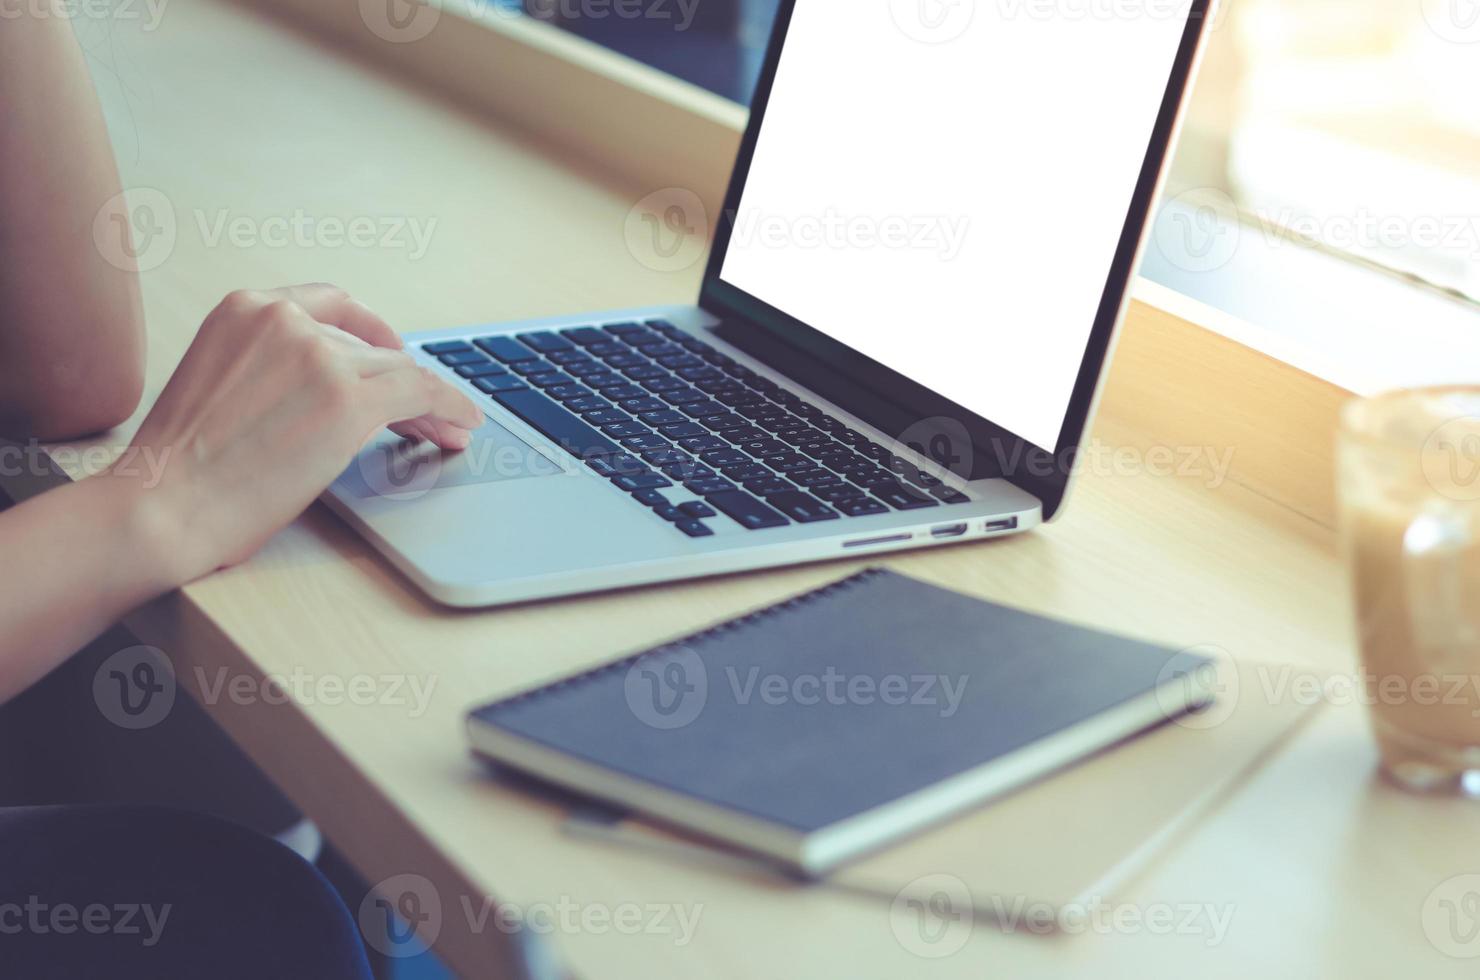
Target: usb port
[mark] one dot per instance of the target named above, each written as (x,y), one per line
(1004,524)
(948,530)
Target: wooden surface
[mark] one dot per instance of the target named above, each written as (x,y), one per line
(1326,871)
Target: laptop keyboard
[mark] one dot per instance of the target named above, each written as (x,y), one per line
(650,407)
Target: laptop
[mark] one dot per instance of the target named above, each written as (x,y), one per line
(911,298)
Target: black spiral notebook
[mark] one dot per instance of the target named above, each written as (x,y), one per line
(833,723)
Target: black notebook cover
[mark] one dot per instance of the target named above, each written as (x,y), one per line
(833,705)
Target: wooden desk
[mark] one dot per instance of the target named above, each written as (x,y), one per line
(1327,871)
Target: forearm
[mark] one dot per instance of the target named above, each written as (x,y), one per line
(77,558)
(71,322)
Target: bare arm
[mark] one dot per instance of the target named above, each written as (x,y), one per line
(273,399)
(71,325)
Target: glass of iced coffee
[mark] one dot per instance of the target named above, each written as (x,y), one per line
(1408,483)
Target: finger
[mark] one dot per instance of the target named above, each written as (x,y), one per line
(435,431)
(413,393)
(372,361)
(333,306)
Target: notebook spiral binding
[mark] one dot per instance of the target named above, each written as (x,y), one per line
(672,646)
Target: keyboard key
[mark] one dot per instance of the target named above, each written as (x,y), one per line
(819,450)
(627,464)
(665,328)
(446,347)
(725,457)
(647,442)
(485,370)
(589,405)
(697,509)
(566,358)
(625,360)
(702,409)
(601,466)
(746,511)
(570,393)
(801,507)
(650,498)
(816,477)
(665,416)
(623,328)
(683,396)
(585,336)
(899,498)
(602,379)
(606,416)
(683,430)
(641,481)
(782,424)
(746,433)
(506,349)
(623,392)
(788,463)
(644,372)
(763,447)
(860,507)
(870,478)
(545,341)
(623,430)
(803,436)
(724,421)
(702,444)
(654,385)
(682,359)
(642,339)
(838,492)
(585,369)
(688,471)
(553,379)
(502,382)
(694,529)
(553,421)
(463,357)
(769,485)
(531,368)
(667,456)
(670,513)
(638,406)
(709,487)
(609,348)
(747,471)
(949,495)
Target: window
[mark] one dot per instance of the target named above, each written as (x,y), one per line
(1352,125)
(716,44)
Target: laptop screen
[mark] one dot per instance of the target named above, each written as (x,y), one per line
(941,185)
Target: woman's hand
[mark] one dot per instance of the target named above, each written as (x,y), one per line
(276,395)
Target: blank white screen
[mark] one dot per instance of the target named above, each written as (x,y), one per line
(951,208)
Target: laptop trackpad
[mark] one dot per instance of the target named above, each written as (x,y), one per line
(404,470)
